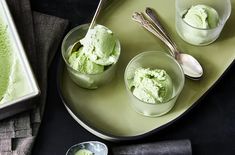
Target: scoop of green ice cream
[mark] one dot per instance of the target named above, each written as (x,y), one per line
(80,62)
(152,85)
(100,46)
(201,16)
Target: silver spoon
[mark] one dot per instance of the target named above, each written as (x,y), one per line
(190,65)
(77,44)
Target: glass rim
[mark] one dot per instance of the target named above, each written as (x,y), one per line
(65,60)
(82,143)
(220,24)
(170,57)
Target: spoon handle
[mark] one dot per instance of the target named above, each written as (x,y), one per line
(154,18)
(138,17)
(100,5)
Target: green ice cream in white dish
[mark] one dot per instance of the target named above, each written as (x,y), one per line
(13,80)
(152,85)
(7,62)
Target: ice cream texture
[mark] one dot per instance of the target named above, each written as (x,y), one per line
(13,80)
(152,85)
(99,49)
(6,63)
(197,24)
(201,16)
(80,62)
(100,46)
(84,152)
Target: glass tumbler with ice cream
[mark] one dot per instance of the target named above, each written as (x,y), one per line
(200,22)
(93,63)
(154,81)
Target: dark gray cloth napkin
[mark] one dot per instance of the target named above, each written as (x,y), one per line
(177,147)
(41,35)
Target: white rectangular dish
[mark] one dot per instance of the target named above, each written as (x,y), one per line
(17,82)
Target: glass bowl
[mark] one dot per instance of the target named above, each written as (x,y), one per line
(154,60)
(95,147)
(89,81)
(199,36)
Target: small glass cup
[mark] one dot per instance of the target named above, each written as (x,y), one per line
(89,81)
(154,60)
(95,147)
(199,36)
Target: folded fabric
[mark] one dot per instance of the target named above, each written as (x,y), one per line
(5,145)
(177,147)
(16,127)
(41,35)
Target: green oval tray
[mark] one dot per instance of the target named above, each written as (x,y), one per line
(106,112)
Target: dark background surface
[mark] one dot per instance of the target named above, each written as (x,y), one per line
(210,125)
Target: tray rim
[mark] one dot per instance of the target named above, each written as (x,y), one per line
(114,138)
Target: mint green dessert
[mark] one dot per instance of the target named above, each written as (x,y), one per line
(13,81)
(201,16)
(7,62)
(80,62)
(100,46)
(99,50)
(84,152)
(199,24)
(152,85)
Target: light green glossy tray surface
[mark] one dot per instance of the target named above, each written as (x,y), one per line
(107,109)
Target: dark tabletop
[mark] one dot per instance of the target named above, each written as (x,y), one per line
(210,125)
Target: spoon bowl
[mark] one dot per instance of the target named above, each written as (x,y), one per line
(191,67)
(75,47)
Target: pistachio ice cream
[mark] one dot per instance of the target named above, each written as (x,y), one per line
(7,62)
(93,63)
(13,81)
(98,51)
(152,85)
(201,16)
(100,46)
(84,152)
(80,62)
(197,24)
